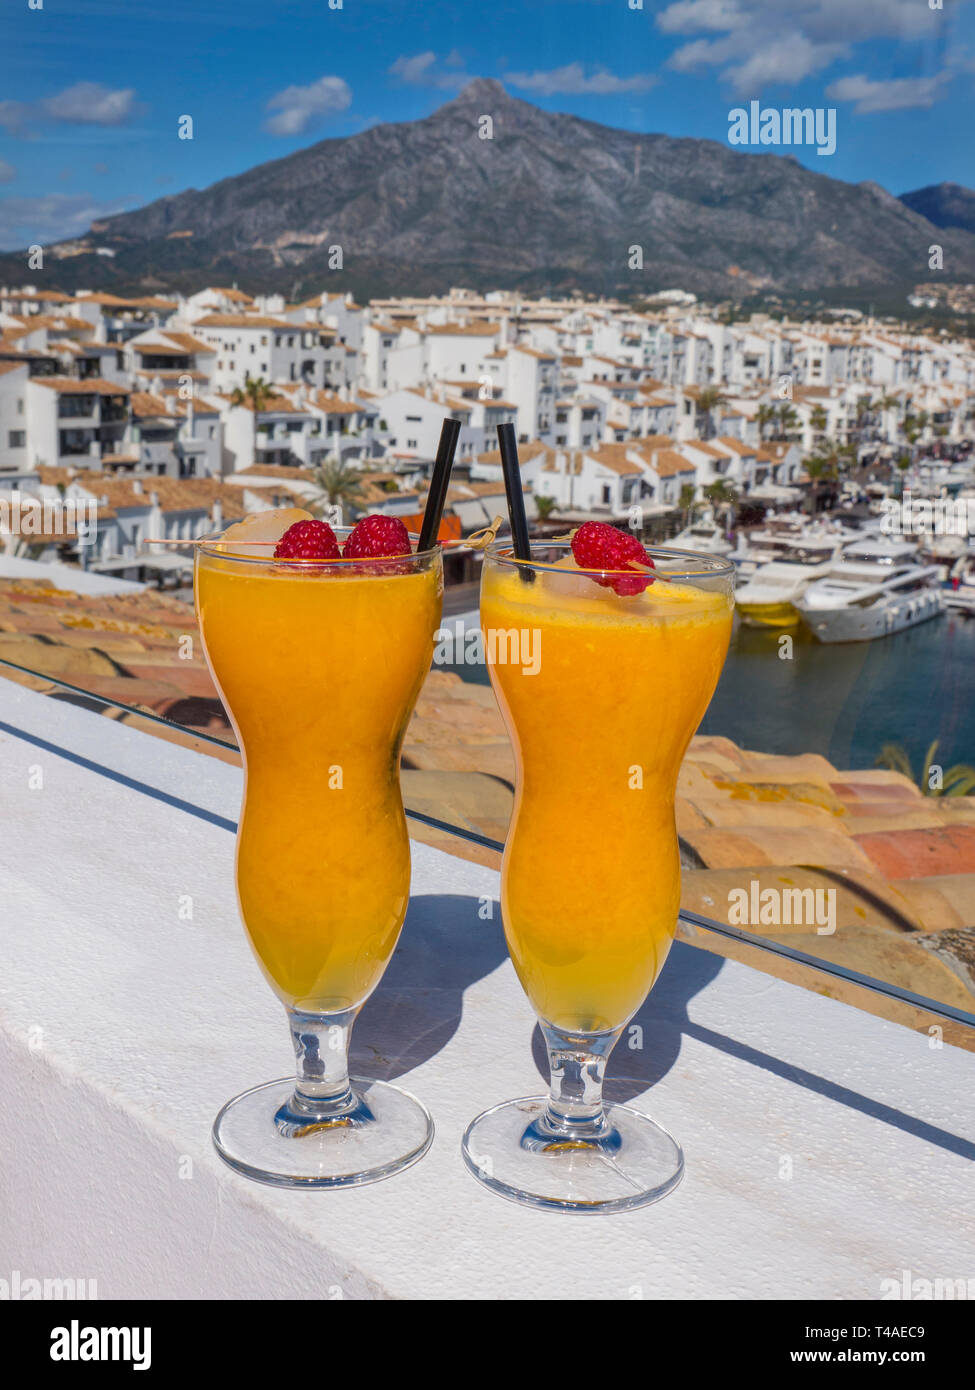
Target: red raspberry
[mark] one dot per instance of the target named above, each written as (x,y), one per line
(375,536)
(598,546)
(308,540)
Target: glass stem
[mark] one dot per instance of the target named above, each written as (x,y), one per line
(575,1113)
(323,1093)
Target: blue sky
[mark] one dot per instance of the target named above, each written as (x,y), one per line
(91,90)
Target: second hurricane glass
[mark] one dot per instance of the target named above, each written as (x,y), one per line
(319,666)
(600,717)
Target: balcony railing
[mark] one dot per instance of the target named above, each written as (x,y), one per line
(77,407)
(758,950)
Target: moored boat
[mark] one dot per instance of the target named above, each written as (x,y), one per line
(875,590)
(768,597)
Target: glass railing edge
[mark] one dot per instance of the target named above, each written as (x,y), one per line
(693,919)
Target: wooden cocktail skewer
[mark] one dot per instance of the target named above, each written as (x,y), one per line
(477,540)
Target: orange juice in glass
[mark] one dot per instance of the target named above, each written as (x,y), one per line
(319,666)
(600,719)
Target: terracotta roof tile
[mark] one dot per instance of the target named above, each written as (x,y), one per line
(245,321)
(75,386)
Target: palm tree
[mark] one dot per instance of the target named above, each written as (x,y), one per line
(825,466)
(883,403)
(788,422)
(864,408)
(255,392)
(544,507)
(335,484)
(708,400)
(721,494)
(687,502)
(915,425)
(818,419)
(958,780)
(765,415)
(720,491)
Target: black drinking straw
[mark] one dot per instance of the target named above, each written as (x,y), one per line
(437,495)
(508,443)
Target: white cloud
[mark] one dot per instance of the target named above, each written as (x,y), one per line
(53,217)
(296,108)
(788,59)
(89,103)
(573,80)
(758,43)
(898,94)
(698,16)
(864,19)
(86,103)
(13,116)
(421,70)
(415,69)
(7,172)
(703,53)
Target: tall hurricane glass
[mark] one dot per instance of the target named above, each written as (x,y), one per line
(600,718)
(319,666)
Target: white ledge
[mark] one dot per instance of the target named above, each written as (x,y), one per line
(124,1028)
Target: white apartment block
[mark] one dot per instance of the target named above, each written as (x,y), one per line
(296,428)
(613,479)
(15,456)
(175,438)
(411,421)
(459,350)
(392,357)
(72,422)
(161,358)
(339,312)
(580,422)
(530,382)
(270,349)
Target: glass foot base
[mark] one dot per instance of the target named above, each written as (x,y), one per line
(636,1163)
(257,1133)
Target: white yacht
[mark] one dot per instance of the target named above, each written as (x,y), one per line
(768,597)
(767,542)
(704,535)
(876,589)
(942,551)
(771,542)
(959,590)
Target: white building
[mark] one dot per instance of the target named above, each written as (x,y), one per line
(531,383)
(269,349)
(74,422)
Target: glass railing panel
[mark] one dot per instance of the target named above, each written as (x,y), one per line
(799,856)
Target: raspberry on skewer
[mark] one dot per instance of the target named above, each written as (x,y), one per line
(599,546)
(376,536)
(308,540)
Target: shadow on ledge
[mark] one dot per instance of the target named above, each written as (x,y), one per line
(444,948)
